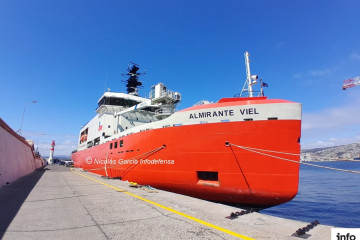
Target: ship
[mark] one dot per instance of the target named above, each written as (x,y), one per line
(239,150)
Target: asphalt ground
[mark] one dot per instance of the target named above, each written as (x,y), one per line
(65,203)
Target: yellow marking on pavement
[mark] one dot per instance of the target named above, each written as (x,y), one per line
(169,209)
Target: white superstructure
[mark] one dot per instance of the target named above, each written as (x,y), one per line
(119,112)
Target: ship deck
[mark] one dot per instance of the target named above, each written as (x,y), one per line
(66,203)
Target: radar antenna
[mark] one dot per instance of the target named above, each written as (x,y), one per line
(133,83)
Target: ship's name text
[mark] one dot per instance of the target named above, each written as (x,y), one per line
(222,113)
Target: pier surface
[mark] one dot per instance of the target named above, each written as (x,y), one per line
(65,203)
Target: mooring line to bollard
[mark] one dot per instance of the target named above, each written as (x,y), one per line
(286,159)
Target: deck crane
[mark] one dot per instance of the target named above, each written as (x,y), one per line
(352,82)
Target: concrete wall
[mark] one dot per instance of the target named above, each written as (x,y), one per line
(17,157)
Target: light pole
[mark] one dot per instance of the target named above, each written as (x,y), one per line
(22,119)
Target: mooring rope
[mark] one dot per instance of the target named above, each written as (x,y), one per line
(132,166)
(334,159)
(264,150)
(289,160)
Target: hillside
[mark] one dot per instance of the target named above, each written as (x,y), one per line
(349,151)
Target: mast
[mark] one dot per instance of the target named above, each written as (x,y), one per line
(250,79)
(133,83)
(248,74)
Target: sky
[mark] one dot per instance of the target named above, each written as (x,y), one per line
(64,54)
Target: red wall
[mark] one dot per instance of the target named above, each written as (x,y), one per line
(17,158)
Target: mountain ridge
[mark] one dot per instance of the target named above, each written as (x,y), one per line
(341,152)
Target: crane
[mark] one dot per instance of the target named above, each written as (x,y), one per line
(352,82)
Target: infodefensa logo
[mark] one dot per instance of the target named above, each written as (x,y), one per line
(345,233)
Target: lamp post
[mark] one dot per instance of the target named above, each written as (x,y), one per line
(22,119)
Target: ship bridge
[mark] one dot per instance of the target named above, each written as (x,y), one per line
(111,102)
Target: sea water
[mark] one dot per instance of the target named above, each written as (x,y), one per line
(331,197)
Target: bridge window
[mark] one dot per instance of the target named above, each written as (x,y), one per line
(117,102)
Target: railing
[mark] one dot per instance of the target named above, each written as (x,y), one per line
(258,93)
(167,93)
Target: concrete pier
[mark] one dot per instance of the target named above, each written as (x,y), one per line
(64,203)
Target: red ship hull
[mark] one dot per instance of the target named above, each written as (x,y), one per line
(195,160)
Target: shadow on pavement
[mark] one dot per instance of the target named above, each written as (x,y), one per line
(14,195)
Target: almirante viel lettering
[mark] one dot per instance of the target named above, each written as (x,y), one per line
(222,113)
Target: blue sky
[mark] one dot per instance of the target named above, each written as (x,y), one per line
(65,53)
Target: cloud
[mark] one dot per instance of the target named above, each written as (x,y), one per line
(307,76)
(330,142)
(340,117)
(332,126)
(280,44)
(297,75)
(355,56)
(319,72)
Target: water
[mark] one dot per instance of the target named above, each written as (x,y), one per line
(331,197)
